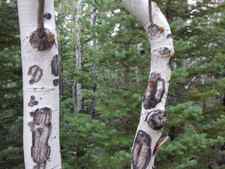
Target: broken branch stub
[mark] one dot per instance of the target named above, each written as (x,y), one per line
(42,39)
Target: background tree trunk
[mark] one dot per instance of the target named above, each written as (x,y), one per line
(94,73)
(149,135)
(40,63)
(77,86)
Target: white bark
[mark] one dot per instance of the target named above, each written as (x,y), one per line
(40,91)
(77,87)
(153,117)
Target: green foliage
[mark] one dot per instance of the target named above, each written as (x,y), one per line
(10,89)
(196,122)
(88,142)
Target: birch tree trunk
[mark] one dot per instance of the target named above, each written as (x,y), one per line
(153,117)
(77,86)
(40,84)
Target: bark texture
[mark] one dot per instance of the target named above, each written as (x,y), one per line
(40,84)
(153,117)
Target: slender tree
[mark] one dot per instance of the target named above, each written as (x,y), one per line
(40,64)
(77,86)
(153,117)
(93,44)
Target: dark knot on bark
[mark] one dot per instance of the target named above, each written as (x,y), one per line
(156,119)
(155,31)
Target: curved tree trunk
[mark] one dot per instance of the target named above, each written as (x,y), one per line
(153,116)
(40,84)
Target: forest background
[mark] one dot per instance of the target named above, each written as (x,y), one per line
(115,73)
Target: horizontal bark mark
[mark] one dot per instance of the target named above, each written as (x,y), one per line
(141,150)
(41,130)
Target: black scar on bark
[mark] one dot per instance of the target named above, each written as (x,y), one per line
(47,16)
(41,130)
(165,52)
(155,91)
(55,65)
(141,153)
(36,74)
(42,40)
(169,36)
(155,30)
(56,82)
(33,101)
(156,119)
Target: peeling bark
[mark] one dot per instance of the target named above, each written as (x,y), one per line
(153,115)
